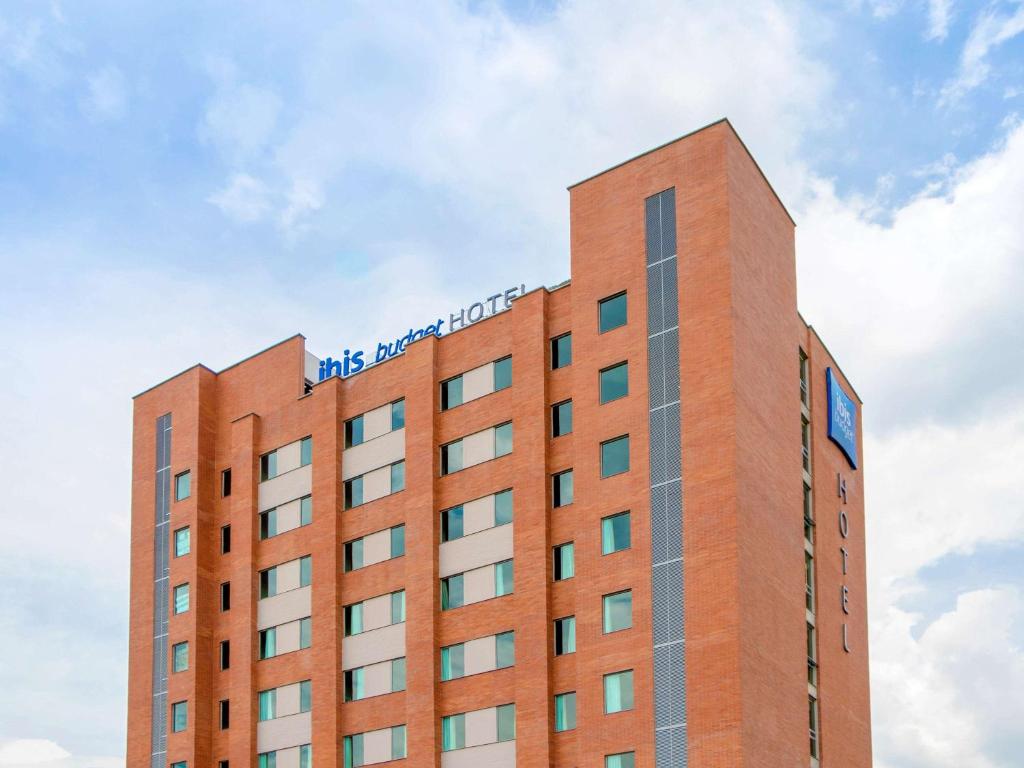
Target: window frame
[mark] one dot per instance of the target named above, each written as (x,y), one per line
(602,400)
(555,357)
(605,444)
(557,418)
(601,303)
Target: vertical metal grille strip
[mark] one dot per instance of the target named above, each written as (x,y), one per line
(161,590)
(666,482)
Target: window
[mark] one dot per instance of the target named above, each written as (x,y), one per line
(225,714)
(561,351)
(268,466)
(803,378)
(565,635)
(225,483)
(268,583)
(561,489)
(618,692)
(611,312)
(225,654)
(268,523)
(268,643)
(451,457)
(353,492)
(506,714)
(305,571)
(453,662)
(502,373)
(398,541)
(503,579)
(808,515)
(561,418)
(809,580)
(397,415)
(503,440)
(183,486)
(354,431)
(813,725)
(614,382)
(505,649)
(397,675)
(565,711)
(503,507)
(618,611)
(397,476)
(180,764)
(453,732)
(398,739)
(452,524)
(451,393)
(305,696)
(182,542)
(225,539)
(812,656)
(179,657)
(564,567)
(355,684)
(615,456)
(306,756)
(398,607)
(452,593)
(621,760)
(305,632)
(353,746)
(268,704)
(305,510)
(353,619)
(305,451)
(353,555)
(225,596)
(615,535)
(222,764)
(179,716)
(267,760)
(181,598)
(805,443)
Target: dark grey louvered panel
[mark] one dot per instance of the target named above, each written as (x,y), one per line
(161,589)
(666,482)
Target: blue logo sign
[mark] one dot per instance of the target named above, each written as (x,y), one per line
(842,418)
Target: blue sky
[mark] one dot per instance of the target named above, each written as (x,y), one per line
(194,181)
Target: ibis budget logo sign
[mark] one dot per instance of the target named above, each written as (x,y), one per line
(842,418)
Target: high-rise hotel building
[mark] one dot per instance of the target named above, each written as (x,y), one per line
(619,522)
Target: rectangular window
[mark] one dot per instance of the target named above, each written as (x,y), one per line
(565,711)
(453,732)
(268,466)
(180,764)
(225,596)
(305,510)
(268,583)
(502,373)
(561,351)
(397,415)
(353,555)
(398,541)
(181,598)
(561,489)
(397,476)
(353,492)
(621,760)
(452,593)
(268,523)
(812,656)
(451,457)
(615,535)
(182,542)
(225,483)
(306,756)
(805,443)
(268,704)
(561,418)
(353,619)
(225,654)
(618,611)
(503,507)
(565,635)
(305,632)
(451,393)
(503,440)
(355,684)
(564,567)
(452,524)
(809,580)
(268,643)
(225,539)
(306,451)
(505,649)
(614,382)
(618,692)
(615,456)
(354,432)
(813,725)
(398,607)
(506,714)
(398,739)
(305,571)
(222,764)
(353,747)
(183,486)
(808,515)
(267,760)
(397,675)
(503,579)
(305,696)
(612,312)
(179,716)
(179,657)
(225,714)
(804,378)
(453,662)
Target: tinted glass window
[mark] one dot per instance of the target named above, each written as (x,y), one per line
(612,312)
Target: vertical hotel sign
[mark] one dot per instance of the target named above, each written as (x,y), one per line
(842,430)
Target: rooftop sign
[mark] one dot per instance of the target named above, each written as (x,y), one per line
(353,361)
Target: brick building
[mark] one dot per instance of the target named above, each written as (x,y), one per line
(605,526)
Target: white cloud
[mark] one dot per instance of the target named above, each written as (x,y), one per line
(30,752)
(991,29)
(245,199)
(940,13)
(106,97)
(241,117)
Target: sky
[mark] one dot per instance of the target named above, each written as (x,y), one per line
(192,182)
